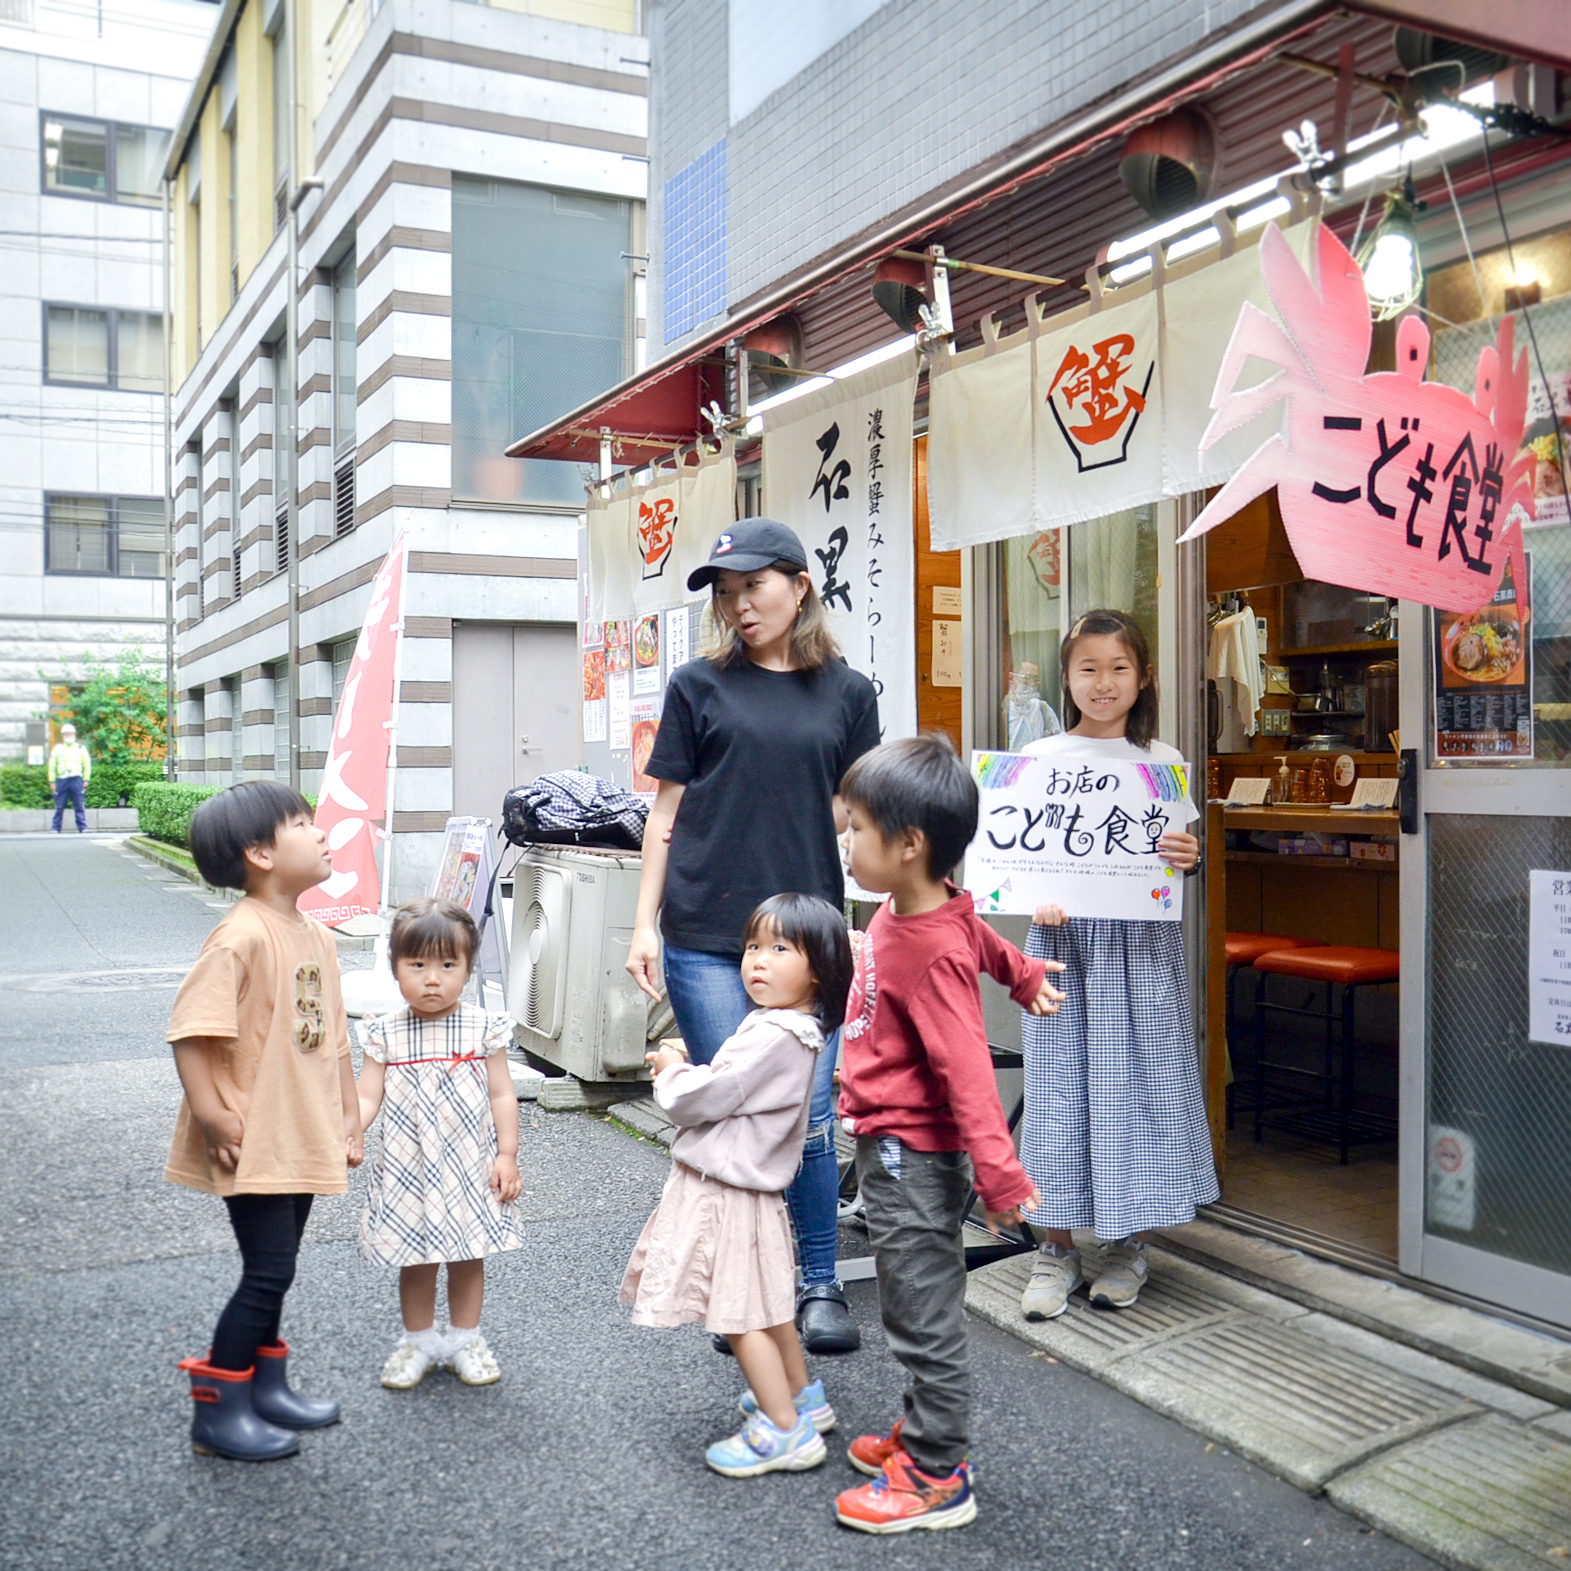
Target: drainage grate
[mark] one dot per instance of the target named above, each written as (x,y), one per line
(1490,1493)
(1302,1408)
(128,981)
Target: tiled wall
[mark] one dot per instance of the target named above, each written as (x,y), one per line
(919,94)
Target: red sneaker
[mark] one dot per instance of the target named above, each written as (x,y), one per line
(868,1453)
(903,1497)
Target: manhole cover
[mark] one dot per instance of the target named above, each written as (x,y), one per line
(96,981)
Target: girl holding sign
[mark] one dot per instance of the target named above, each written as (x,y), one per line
(1114,1132)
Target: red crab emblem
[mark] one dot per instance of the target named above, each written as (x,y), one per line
(1387,483)
(656,528)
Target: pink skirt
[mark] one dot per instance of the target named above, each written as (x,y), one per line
(713,1253)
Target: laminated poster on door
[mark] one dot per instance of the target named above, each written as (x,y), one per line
(619,700)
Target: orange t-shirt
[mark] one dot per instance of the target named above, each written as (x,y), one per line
(267,985)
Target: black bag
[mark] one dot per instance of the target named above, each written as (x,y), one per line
(573,808)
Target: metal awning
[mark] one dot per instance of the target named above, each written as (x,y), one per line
(662,407)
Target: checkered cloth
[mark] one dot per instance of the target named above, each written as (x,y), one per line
(1114,1133)
(430,1198)
(574,808)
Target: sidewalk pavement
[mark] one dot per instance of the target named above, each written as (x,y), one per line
(1445,1429)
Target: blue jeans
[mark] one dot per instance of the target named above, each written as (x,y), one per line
(73,790)
(709,1002)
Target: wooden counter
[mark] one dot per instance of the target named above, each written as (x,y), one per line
(1294,819)
(1337,899)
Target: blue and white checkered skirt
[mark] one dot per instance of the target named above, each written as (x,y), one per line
(1114,1133)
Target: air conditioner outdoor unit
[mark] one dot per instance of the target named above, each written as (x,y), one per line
(573,910)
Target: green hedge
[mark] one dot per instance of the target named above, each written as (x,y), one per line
(164,810)
(24,785)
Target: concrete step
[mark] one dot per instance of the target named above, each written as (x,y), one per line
(1473,1471)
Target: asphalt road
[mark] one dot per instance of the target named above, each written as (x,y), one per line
(589,1453)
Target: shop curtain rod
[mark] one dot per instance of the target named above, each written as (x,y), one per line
(955,265)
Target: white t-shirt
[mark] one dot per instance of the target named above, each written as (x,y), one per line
(1113,749)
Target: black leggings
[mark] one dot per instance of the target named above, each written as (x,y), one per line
(268,1229)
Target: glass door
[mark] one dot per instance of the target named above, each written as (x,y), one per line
(1486,1163)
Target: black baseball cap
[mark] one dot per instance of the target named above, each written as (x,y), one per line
(749,544)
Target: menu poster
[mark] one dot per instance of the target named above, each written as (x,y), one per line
(1484,677)
(618,654)
(621,718)
(646,653)
(1081,834)
(594,635)
(594,695)
(646,722)
(462,852)
(1549,959)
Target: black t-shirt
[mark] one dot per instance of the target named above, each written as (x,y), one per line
(761,754)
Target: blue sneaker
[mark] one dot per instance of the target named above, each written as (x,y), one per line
(761,1448)
(810,1403)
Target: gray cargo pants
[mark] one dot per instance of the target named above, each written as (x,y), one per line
(915,1204)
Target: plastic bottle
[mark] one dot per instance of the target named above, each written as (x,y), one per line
(1283,789)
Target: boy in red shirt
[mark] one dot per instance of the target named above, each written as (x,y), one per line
(917,1091)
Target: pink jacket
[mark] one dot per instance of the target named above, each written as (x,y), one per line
(744,1117)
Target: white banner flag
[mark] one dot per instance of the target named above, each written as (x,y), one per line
(980,412)
(645,540)
(1093,412)
(1098,415)
(1199,309)
(837,469)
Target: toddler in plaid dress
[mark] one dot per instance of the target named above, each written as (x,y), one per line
(1114,1131)
(443,1182)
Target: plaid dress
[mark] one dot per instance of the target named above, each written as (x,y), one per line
(430,1197)
(1114,1133)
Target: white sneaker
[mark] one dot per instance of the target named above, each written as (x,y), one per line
(1125,1267)
(1053,1278)
(407,1367)
(474,1364)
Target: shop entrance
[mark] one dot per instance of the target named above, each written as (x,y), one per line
(1302,684)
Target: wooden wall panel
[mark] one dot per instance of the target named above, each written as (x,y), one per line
(937,708)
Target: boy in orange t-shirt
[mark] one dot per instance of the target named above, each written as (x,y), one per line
(271,1115)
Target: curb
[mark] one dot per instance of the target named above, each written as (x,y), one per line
(175,860)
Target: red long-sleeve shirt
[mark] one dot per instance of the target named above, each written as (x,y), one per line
(915,1061)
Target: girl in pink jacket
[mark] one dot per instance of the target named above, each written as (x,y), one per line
(718,1248)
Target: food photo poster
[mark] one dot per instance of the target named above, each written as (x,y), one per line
(1484,677)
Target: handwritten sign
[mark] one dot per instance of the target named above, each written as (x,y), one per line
(1079,833)
(1387,482)
(948,661)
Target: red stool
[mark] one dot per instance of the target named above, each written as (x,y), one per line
(1243,949)
(1333,1116)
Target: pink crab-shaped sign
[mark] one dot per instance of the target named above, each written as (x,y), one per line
(1387,483)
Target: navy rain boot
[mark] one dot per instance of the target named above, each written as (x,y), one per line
(224,1423)
(274,1402)
(823,1320)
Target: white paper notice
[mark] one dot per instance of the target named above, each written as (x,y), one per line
(1370,792)
(676,648)
(1248,791)
(947,601)
(621,705)
(948,664)
(1549,959)
(594,720)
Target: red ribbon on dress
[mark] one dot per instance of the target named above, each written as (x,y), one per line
(477,1059)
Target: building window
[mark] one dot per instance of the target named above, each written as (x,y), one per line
(103,161)
(236,730)
(343,653)
(345,396)
(281,720)
(105,536)
(89,346)
(542,321)
(234,212)
(280,132)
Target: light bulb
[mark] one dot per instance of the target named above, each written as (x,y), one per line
(1391,272)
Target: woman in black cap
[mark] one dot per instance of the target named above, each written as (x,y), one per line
(753,740)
